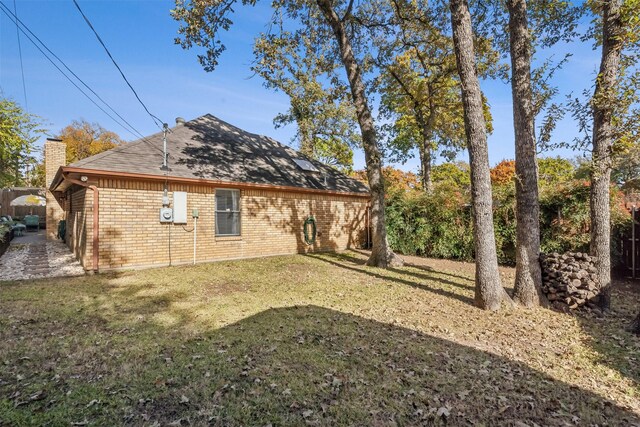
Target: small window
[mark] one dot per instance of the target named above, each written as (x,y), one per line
(227,212)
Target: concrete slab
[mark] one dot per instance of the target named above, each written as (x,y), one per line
(30,237)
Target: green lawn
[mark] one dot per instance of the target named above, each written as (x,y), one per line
(318,340)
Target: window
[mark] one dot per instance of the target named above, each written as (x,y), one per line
(227,212)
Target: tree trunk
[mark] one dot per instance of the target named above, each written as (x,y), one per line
(604,100)
(424,149)
(381,253)
(421,155)
(489,292)
(426,165)
(528,284)
(306,140)
(427,137)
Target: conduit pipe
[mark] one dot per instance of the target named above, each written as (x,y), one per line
(195,237)
(96,218)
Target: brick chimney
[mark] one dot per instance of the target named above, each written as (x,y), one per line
(55,155)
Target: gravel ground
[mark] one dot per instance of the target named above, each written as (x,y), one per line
(36,260)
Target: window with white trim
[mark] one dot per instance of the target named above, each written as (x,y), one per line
(227,212)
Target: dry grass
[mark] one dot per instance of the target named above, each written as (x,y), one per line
(319,339)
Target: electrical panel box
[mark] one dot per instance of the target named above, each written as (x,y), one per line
(166,215)
(179,207)
(195,213)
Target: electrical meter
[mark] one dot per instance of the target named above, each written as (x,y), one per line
(166,215)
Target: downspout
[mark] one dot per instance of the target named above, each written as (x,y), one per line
(96,218)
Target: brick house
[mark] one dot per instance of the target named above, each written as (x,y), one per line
(251,196)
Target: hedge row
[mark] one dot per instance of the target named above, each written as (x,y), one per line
(439,224)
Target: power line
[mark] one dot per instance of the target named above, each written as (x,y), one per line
(133,130)
(24,85)
(17,20)
(61,71)
(21,26)
(156,120)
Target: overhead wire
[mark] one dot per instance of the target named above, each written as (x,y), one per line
(24,84)
(155,118)
(2,7)
(17,20)
(22,27)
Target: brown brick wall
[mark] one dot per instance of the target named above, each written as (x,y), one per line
(79,206)
(271,224)
(54,157)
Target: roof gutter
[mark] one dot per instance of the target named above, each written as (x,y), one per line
(64,170)
(96,217)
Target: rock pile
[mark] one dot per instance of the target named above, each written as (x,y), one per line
(569,279)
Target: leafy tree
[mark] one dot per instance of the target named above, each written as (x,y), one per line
(202,21)
(489,292)
(454,174)
(325,117)
(554,170)
(19,132)
(419,92)
(419,84)
(395,180)
(84,139)
(35,175)
(625,169)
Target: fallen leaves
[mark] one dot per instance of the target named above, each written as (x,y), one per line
(356,349)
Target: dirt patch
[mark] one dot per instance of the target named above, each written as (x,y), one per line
(225,288)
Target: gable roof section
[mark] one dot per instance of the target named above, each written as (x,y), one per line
(208,148)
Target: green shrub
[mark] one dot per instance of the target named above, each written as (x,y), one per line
(4,232)
(439,224)
(435,225)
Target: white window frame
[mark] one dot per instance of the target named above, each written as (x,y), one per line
(216,211)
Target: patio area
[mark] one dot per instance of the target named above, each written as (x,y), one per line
(31,256)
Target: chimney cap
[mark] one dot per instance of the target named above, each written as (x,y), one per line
(54,139)
(180,121)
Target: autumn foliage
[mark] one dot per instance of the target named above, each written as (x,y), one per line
(439,224)
(84,139)
(503,173)
(394,179)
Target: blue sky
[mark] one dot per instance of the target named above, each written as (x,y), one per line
(172,83)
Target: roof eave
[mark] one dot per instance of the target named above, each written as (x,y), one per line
(200,181)
(57,179)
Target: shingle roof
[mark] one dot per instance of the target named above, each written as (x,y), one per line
(209,148)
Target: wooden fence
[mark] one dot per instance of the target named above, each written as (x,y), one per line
(8,194)
(631,247)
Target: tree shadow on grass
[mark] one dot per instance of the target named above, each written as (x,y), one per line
(402,276)
(291,366)
(608,336)
(426,268)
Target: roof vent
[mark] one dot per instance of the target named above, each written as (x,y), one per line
(306,165)
(179,121)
